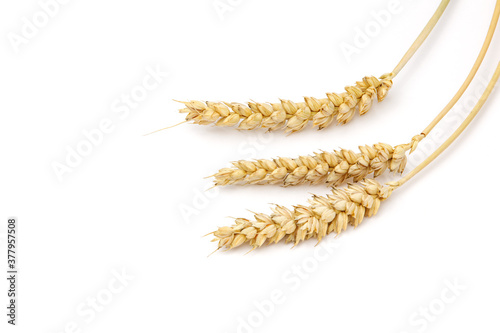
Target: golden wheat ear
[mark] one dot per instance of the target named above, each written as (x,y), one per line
(321,112)
(291,116)
(323,215)
(333,168)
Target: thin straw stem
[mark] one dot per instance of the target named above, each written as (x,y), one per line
(472,73)
(455,134)
(421,38)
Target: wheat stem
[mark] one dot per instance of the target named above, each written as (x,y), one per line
(472,73)
(455,134)
(422,37)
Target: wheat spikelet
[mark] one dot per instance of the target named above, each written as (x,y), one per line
(415,141)
(323,215)
(291,116)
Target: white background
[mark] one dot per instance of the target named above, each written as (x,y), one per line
(120,208)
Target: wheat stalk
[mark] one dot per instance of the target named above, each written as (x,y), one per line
(455,134)
(331,213)
(472,73)
(322,112)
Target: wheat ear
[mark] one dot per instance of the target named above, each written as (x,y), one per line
(333,168)
(291,116)
(323,215)
(322,112)
(331,213)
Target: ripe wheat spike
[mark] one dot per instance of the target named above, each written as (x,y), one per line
(339,108)
(323,215)
(290,116)
(333,168)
